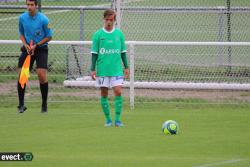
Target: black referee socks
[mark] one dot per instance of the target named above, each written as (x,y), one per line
(21,92)
(44,91)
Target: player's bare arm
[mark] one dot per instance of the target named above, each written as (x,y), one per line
(93,75)
(126,73)
(125,63)
(93,65)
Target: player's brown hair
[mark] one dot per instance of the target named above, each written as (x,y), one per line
(109,12)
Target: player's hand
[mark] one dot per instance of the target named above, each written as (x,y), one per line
(93,75)
(126,73)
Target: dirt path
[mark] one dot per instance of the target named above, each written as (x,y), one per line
(57,89)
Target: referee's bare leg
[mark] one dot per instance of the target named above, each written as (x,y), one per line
(42,75)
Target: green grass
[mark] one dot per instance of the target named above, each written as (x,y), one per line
(73,135)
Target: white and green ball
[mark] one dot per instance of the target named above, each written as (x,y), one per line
(170,127)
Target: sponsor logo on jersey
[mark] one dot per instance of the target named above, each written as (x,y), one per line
(109,51)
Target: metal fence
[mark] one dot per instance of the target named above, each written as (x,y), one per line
(140,20)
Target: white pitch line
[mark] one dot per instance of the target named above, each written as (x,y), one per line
(220,163)
(61,11)
(52,12)
(131,1)
(9,18)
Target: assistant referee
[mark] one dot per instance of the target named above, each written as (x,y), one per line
(34,26)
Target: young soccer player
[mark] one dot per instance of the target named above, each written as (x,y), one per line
(34,26)
(108,53)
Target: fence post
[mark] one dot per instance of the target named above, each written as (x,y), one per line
(229,49)
(81,38)
(220,36)
(132,78)
(40,5)
(117,6)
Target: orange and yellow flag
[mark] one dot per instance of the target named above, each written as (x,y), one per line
(25,72)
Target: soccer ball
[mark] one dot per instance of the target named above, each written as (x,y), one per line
(170,127)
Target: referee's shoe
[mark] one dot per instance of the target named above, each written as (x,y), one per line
(21,109)
(44,109)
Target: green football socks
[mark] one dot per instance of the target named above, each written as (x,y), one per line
(118,107)
(105,107)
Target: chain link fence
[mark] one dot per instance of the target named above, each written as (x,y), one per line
(140,20)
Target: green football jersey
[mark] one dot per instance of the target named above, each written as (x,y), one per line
(108,46)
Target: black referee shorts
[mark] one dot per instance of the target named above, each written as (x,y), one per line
(40,56)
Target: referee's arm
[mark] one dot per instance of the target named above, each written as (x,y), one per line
(43,41)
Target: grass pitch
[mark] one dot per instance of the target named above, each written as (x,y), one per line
(72,134)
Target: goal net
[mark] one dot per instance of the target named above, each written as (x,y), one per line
(191,70)
(159,71)
(186,65)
